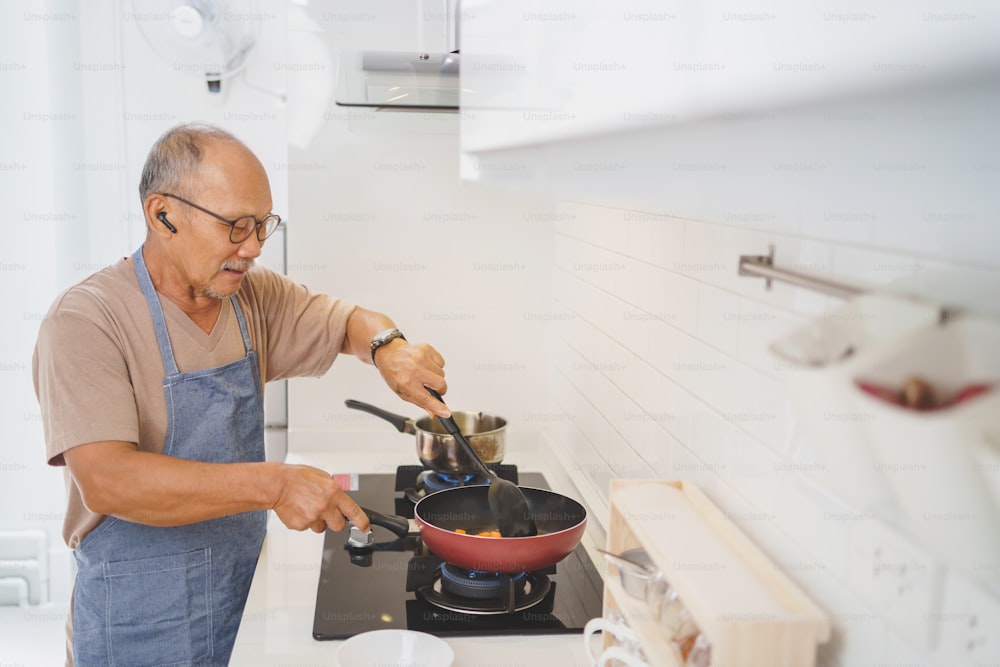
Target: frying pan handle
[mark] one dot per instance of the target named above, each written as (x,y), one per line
(453,430)
(397,524)
(402,424)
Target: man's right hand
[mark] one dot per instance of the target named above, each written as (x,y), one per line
(308,497)
(118,479)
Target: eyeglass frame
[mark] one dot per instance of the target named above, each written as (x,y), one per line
(259,225)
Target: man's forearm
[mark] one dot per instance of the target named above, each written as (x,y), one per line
(362,325)
(159,490)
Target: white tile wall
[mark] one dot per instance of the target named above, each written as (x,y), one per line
(662,366)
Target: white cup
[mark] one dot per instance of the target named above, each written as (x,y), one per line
(627,646)
(620,655)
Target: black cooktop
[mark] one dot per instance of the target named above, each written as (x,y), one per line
(368,590)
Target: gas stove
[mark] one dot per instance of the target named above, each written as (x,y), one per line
(399,583)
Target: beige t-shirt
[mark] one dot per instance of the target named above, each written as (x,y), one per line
(99,376)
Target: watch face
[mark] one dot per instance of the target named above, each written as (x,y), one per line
(384,337)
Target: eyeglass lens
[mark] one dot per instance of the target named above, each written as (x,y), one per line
(243,227)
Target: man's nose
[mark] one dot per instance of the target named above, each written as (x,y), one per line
(250,247)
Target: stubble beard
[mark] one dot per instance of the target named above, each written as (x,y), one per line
(213,293)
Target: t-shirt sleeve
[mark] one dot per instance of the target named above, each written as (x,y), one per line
(81,379)
(303,331)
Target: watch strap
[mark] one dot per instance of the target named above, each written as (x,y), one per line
(384,338)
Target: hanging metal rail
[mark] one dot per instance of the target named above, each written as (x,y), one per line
(762,266)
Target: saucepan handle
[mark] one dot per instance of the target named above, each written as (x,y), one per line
(402,424)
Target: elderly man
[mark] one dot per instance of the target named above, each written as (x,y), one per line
(150,377)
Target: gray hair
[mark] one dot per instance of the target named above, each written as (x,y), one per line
(176,156)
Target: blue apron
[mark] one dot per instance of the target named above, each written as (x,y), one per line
(174,596)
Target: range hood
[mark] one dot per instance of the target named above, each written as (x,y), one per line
(398,80)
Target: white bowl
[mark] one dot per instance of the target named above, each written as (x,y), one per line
(402,648)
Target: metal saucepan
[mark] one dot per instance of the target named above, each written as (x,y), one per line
(438,450)
(561,522)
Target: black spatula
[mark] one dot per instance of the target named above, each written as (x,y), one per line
(507,502)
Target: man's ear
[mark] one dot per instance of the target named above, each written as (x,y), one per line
(157,222)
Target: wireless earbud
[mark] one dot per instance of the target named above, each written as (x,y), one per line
(162,217)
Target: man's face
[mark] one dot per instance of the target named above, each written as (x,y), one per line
(232,183)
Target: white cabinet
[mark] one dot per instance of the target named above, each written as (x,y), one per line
(542,71)
(660,106)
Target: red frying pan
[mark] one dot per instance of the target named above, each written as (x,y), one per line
(561,522)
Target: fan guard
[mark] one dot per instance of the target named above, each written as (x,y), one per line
(210,39)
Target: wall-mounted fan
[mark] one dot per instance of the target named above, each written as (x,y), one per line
(210,39)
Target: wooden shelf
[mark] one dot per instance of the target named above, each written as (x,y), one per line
(751,612)
(642,622)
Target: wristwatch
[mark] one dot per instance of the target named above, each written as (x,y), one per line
(384,338)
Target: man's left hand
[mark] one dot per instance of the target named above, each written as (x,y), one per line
(409,369)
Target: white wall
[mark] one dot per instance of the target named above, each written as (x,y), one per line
(380,217)
(661,371)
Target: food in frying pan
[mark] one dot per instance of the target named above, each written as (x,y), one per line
(495,532)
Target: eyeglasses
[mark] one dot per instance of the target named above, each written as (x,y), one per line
(241,228)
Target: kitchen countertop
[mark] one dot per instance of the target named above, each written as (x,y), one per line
(277,624)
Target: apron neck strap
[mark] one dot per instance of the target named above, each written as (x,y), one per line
(156,310)
(160,321)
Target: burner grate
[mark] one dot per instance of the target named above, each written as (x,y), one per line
(455,589)
(462,583)
(407,476)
